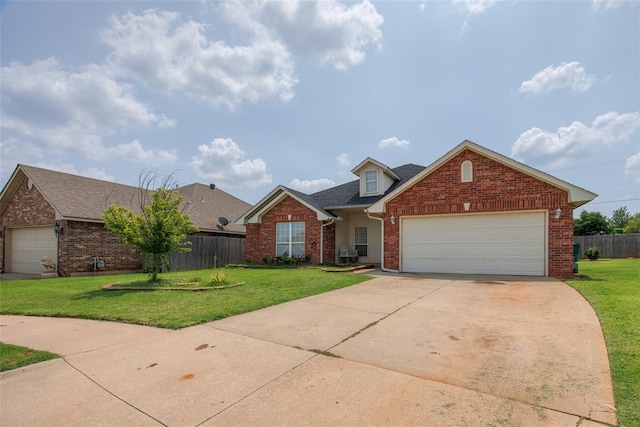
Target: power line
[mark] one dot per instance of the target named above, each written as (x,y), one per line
(614,201)
(614,162)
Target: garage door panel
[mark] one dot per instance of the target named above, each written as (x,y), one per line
(511,267)
(484,244)
(29,245)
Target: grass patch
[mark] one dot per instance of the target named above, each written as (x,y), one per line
(612,287)
(14,357)
(83,297)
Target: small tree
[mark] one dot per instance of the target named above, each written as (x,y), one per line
(590,223)
(160,228)
(633,225)
(619,218)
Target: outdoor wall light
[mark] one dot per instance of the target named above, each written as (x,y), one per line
(392,219)
(558,213)
(58,230)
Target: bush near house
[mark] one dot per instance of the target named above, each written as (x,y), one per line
(592,253)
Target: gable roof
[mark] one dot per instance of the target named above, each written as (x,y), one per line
(577,196)
(323,202)
(255,213)
(348,195)
(79,198)
(385,169)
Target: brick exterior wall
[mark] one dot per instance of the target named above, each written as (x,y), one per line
(80,241)
(84,241)
(495,188)
(261,238)
(26,208)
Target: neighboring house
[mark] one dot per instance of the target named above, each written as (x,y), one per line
(58,215)
(471,211)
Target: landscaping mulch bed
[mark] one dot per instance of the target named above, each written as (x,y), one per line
(117,287)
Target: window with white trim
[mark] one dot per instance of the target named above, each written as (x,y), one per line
(466,171)
(371,181)
(290,238)
(361,241)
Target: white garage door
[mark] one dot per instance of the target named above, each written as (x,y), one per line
(29,245)
(512,243)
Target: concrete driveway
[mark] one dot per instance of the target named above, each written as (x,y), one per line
(396,350)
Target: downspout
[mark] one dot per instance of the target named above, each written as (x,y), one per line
(322,238)
(382,243)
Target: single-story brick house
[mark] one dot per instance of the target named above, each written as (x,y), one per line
(471,211)
(58,215)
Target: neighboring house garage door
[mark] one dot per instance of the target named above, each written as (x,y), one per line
(29,245)
(509,243)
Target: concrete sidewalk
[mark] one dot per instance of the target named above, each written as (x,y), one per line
(395,350)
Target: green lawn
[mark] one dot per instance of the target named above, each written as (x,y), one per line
(612,287)
(83,296)
(13,356)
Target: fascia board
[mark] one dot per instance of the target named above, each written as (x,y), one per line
(256,217)
(320,214)
(578,196)
(248,215)
(385,169)
(363,207)
(10,189)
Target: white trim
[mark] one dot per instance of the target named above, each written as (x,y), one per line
(277,195)
(577,195)
(385,169)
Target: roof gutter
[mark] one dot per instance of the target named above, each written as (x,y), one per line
(382,241)
(322,238)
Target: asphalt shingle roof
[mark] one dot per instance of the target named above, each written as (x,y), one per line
(348,194)
(79,197)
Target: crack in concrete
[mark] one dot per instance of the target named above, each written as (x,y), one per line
(356,333)
(111,393)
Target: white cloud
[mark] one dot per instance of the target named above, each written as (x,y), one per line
(541,147)
(67,109)
(632,168)
(609,4)
(343,160)
(474,7)
(394,142)
(569,75)
(327,31)
(311,186)
(136,152)
(223,162)
(167,53)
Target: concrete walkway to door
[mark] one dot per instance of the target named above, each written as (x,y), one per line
(396,350)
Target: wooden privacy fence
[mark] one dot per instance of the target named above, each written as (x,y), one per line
(207,251)
(611,245)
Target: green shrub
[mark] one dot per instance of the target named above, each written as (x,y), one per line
(218,277)
(592,253)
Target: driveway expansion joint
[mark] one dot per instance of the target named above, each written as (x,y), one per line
(111,393)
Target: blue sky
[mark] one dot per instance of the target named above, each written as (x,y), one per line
(250,95)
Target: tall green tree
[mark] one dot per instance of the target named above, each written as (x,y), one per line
(633,225)
(159,228)
(591,223)
(620,217)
